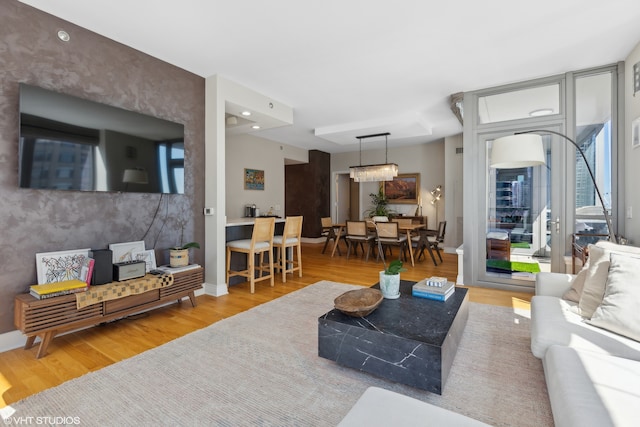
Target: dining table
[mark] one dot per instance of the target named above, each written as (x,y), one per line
(402,228)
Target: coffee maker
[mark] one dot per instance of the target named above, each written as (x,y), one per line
(250,211)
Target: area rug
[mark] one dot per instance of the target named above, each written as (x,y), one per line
(261,367)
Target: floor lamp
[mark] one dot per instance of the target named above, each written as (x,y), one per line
(524,149)
(436,195)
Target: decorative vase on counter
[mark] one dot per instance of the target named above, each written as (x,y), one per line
(390,285)
(178,257)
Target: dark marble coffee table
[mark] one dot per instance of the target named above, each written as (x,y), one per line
(408,340)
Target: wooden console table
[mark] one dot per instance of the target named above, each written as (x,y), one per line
(48,317)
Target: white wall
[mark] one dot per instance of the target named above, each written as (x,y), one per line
(218,92)
(632,155)
(252,152)
(426,159)
(454,185)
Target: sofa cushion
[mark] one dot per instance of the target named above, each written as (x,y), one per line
(590,389)
(556,321)
(619,311)
(598,272)
(577,286)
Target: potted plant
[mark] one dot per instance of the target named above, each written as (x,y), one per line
(380,205)
(179,255)
(390,279)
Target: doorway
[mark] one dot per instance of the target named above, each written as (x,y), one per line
(347,202)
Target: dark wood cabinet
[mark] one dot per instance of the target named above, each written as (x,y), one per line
(308,191)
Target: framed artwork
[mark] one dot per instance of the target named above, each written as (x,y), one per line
(253,179)
(148,256)
(123,252)
(635,133)
(59,266)
(405,188)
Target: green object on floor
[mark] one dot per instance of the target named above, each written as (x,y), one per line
(521,245)
(500,264)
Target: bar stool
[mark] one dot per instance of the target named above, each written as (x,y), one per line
(291,236)
(261,241)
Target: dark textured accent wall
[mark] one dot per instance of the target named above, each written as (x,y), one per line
(97,68)
(308,192)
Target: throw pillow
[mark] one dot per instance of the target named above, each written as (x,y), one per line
(594,281)
(619,312)
(575,292)
(596,278)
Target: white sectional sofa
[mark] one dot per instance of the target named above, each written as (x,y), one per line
(380,407)
(586,330)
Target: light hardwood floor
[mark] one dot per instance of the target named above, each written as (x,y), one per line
(72,355)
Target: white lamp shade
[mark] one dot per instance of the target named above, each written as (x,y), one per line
(517,151)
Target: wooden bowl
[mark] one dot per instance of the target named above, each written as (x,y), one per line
(358,303)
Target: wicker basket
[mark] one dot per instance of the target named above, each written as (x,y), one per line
(178,257)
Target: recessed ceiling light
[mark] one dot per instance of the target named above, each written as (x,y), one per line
(63,35)
(255,127)
(246,113)
(541,112)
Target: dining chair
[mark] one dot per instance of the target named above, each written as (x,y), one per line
(404,223)
(387,235)
(329,231)
(435,241)
(358,234)
(291,237)
(421,242)
(261,241)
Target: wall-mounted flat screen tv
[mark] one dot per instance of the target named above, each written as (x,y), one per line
(70,143)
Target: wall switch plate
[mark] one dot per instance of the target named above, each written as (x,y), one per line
(209,211)
(629,212)
(277,207)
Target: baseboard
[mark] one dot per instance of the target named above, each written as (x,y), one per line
(12,340)
(215,290)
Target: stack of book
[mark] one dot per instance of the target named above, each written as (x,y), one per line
(56,289)
(433,289)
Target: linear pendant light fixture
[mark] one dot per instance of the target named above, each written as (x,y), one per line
(379,172)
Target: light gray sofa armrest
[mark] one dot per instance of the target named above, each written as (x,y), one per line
(553,284)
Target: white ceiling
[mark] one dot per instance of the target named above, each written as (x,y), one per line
(357,67)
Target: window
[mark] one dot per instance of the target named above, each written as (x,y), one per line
(519,104)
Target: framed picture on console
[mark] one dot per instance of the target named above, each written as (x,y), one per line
(123,252)
(59,266)
(148,256)
(405,188)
